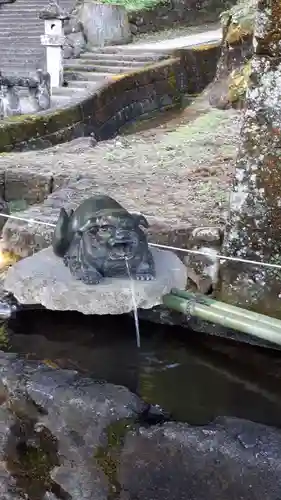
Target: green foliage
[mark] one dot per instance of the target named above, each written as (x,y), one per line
(133,5)
(17,205)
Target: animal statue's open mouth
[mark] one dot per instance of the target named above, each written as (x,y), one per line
(121,250)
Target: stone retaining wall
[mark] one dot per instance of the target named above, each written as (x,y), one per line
(157,87)
(176,12)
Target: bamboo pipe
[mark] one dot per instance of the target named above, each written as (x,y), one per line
(234,321)
(222,306)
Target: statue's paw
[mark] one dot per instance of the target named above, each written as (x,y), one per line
(145,277)
(65,260)
(90,280)
(91,276)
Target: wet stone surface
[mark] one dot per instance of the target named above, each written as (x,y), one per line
(65,418)
(67,437)
(230,458)
(44,279)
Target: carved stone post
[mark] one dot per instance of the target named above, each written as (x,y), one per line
(254,229)
(53,40)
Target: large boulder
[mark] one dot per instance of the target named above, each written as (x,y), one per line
(59,421)
(75,40)
(104,24)
(228,459)
(43,279)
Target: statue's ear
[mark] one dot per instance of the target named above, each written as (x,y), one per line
(140,220)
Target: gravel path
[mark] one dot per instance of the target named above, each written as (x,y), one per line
(179,171)
(171,33)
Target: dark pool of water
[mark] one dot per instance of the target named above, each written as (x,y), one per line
(193,377)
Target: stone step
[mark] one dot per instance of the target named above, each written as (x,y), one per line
(15,23)
(32,9)
(14,54)
(104,62)
(92,68)
(82,76)
(121,57)
(91,84)
(10,31)
(18,71)
(14,61)
(22,46)
(22,49)
(10,57)
(20,67)
(19,39)
(61,101)
(20,17)
(123,49)
(69,91)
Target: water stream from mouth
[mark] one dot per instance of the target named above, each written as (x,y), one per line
(135,310)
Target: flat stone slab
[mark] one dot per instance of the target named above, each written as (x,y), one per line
(43,279)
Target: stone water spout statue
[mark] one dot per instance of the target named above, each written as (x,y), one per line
(100,238)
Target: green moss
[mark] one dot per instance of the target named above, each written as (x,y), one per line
(20,118)
(18,205)
(238,83)
(204,46)
(107,457)
(195,130)
(23,128)
(4,338)
(172,80)
(31,468)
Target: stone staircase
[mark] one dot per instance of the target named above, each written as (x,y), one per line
(92,68)
(22,53)
(20,29)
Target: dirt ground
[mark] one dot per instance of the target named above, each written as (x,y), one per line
(177,168)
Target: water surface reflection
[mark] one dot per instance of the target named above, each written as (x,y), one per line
(193,377)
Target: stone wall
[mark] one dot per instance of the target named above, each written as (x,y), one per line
(170,13)
(157,87)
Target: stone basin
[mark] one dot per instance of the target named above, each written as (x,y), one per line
(43,279)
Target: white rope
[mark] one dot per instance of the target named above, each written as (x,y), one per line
(165,247)
(218,256)
(31,221)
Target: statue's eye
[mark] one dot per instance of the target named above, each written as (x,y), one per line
(105,229)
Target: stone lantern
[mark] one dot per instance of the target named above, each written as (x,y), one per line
(53,39)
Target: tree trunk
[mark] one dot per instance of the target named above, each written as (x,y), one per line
(254,225)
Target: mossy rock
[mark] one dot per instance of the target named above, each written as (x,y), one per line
(242,20)
(238,84)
